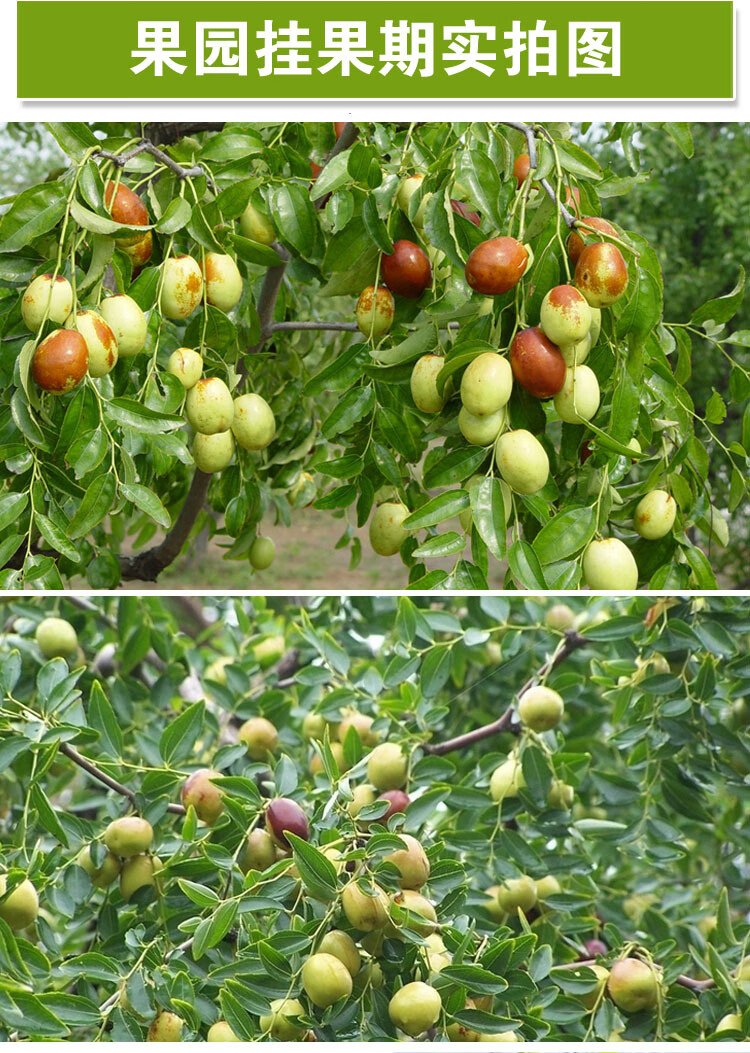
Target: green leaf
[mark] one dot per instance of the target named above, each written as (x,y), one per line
(96,504)
(56,537)
(567,533)
(33,212)
(179,736)
(490,515)
(444,506)
(375,226)
(441,546)
(12,506)
(525,566)
(294,217)
(176,215)
(74,138)
(356,404)
(719,310)
(147,501)
(317,871)
(680,132)
(254,252)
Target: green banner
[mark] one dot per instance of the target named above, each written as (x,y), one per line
(336,50)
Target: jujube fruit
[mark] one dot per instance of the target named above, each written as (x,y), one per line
(364,912)
(100,341)
(560,795)
(221,1032)
(537,363)
(577,352)
(167,1027)
(103,874)
(209,406)
(21,908)
(284,816)
(486,384)
(655,515)
(280,1022)
(253,424)
(127,321)
(515,893)
(415,1008)
(609,565)
(546,887)
(730,1022)
(255,226)
(496,266)
(576,242)
(262,552)
(601,274)
(421,915)
(481,431)
(408,187)
(213,453)
(411,862)
(633,985)
(522,461)
(186,365)
(127,208)
(182,287)
(559,616)
(565,315)
(578,398)
(423,384)
(387,767)
(259,852)
(374,311)
(223,281)
(46,296)
(138,872)
(591,998)
(461,210)
(60,362)
(521,168)
(342,946)
(140,251)
(56,638)
(507,779)
(129,836)
(540,708)
(326,980)
(362,724)
(260,738)
(386,532)
(398,802)
(406,271)
(204,795)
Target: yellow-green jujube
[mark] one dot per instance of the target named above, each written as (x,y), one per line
(507,779)
(387,767)
(56,638)
(515,893)
(21,908)
(576,353)
(46,296)
(386,531)
(127,321)
(280,1022)
(213,453)
(223,280)
(186,365)
(209,406)
(254,424)
(609,565)
(411,862)
(486,384)
(655,515)
(260,738)
(262,552)
(326,979)
(221,1032)
(423,384)
(256,226)
(415,1008)
(481,431)
(101,875)
(182,287)
(100,340)
(633,985)
(540,708)
(139,872)
(129,836)
(565,316)
(578,398)
(365,912)
(342,946)
(167,1027)
(522,461)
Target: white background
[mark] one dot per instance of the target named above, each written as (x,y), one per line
(13,110)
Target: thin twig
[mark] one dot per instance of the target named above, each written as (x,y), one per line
(96,773)
(573,641)
(528,131)
(145,147)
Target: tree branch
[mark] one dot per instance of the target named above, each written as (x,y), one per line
(573,641)
(528,131)
(145,147)
(148,565)
(96,773)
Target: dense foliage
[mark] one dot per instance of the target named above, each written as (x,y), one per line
(627,828)
(91,475)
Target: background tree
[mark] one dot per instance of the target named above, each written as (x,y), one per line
(289,224)
(500,817)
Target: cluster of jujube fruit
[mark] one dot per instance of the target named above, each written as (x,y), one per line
(548,361)
(92,339)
